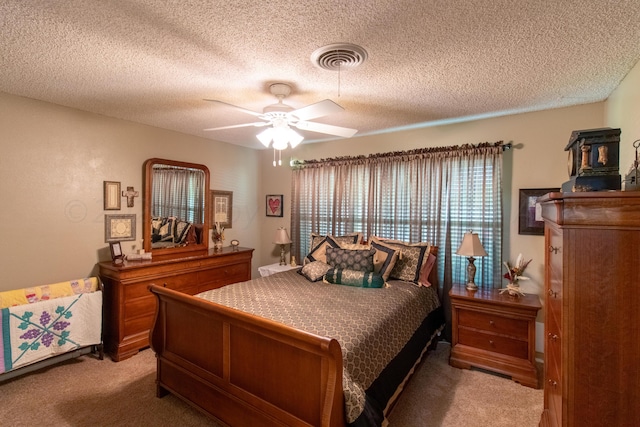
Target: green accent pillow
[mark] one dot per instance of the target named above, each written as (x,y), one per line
(360,279)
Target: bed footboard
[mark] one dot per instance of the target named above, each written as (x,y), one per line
(243,369)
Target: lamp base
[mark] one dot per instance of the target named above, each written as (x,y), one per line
(472,286)
(282,259)
(471,274)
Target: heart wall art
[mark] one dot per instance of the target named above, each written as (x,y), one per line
(274,204)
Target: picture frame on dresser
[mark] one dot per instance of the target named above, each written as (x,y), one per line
(116,252)
(529,213)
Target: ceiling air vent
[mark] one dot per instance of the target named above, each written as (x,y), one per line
(333,57)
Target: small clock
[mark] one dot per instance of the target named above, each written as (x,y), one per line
(234,244)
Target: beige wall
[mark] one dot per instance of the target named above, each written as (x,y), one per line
(52,167)
(622,111)
(538,160)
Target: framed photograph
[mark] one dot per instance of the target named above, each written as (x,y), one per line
(221,208)
(274,204)
(530,218)
(119,228)
(116,251)
(111,196)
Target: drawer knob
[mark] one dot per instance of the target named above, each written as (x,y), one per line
(553,336)
(491,322)
(553,249)
(552,383)
(552,293)
(491,342)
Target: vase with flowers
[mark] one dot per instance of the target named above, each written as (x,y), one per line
(514,275)
(217,236)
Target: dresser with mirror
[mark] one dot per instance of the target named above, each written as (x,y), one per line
(175,232)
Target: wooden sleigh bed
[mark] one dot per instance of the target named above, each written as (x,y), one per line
(246,370)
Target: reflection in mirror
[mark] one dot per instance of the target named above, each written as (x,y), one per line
(176,209)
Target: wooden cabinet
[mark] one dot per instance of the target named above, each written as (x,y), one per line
(592,309)
(494,331)
(129,307)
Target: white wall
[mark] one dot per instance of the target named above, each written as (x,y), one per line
(52,167)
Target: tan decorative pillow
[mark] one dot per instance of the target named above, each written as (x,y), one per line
(314,271)
(384,259)
(412,256)
(319,251)
(350,238)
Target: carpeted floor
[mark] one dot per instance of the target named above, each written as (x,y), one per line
(90,392)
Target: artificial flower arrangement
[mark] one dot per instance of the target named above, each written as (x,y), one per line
(514,275)
(218,232)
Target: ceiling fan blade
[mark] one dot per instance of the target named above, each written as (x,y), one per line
(235,107)
(328,129)
(256,124)
(319,109)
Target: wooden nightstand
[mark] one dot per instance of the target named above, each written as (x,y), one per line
(494,332)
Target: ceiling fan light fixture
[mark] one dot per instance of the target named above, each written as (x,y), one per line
(294,138)
(265,137)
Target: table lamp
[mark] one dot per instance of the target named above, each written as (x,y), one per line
(282,238)
(471,247)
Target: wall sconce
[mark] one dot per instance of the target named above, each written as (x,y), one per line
(471,247)
(282,238)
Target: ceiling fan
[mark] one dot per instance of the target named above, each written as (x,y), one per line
(281,117)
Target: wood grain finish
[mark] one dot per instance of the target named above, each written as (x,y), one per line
(494,331)
(130,307)
(592,320)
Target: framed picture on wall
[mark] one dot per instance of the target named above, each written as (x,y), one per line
(530,218)
(221,208)
(111,196)
(119,227)
(274,204)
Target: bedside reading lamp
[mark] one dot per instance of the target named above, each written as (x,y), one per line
(471,247)
(282,238)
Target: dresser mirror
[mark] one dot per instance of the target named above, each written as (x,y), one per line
(176,209)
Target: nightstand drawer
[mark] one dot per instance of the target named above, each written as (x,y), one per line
(493,343)
(493,323)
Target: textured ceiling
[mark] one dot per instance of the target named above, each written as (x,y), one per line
(154,62)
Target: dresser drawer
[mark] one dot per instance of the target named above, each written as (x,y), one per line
(494,323)
(553,388)
(493,343)
(179,282)
(225,275)
(144,306)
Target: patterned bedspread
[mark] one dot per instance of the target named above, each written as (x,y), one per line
(371,325)
(33,332)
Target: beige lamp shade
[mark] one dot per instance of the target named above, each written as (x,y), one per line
(471,246)
(282,237)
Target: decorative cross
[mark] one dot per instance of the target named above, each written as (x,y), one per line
(130,194)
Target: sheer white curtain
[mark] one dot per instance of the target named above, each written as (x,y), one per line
(433,195)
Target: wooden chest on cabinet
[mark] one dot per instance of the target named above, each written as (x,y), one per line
(494,331)
(592,309)
(129,307)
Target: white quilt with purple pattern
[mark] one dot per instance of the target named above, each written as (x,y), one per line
(33,332)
